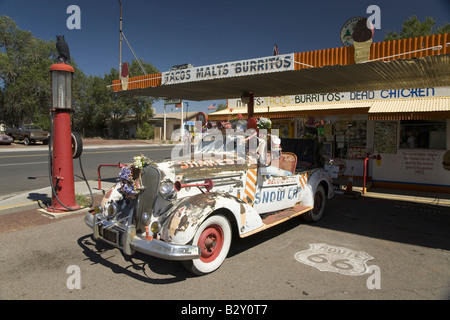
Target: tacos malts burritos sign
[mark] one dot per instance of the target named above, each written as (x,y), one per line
(297,99)
(230,69)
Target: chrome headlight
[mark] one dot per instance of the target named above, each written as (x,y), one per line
(167,190)
(145,218)
(111,210)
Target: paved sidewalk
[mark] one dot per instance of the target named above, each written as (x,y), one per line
(24,201)
(418,196)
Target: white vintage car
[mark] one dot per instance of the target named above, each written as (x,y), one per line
(188,207)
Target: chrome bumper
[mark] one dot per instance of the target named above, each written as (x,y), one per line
(129,242)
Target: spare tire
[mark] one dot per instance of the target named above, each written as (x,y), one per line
(77,145)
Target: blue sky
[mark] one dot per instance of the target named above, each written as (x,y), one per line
(170,32)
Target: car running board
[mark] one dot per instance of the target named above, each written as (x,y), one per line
(277,218)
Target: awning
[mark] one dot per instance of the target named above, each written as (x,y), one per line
(389,109)
(410,109)
(430,71)
(296,110)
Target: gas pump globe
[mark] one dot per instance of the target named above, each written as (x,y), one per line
(62,86)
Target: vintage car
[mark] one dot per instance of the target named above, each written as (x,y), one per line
(188,207)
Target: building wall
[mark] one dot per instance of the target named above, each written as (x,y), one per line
(413,168)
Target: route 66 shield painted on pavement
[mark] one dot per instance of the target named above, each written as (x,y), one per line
(330,258)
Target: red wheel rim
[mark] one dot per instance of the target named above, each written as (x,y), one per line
(210,243)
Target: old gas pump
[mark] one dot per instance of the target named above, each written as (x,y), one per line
(62,177)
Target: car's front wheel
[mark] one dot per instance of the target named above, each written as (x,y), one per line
(214,239)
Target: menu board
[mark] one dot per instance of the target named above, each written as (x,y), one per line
(385,137)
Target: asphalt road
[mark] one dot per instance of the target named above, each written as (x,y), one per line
(27,169)
(403,249)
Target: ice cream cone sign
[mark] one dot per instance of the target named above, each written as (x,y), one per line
(124,76)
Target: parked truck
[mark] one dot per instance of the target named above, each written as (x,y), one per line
(188,207)
(29,134)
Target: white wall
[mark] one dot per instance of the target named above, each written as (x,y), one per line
(421,166)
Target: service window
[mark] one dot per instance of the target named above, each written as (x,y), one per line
(350,139)
(423,134)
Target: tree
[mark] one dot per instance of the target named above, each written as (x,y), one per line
(25,87)
(123,107)
(221,106)
(24,78)
(99,108)
(413,27)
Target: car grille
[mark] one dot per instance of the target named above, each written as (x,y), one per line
(150,180)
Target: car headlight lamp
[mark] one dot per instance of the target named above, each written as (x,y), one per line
(167,190)
(98,209)
(155,227)
(145,218)
(111,210)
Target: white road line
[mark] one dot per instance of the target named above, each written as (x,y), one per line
(21,164)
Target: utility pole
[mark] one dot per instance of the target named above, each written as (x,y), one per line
(120,39)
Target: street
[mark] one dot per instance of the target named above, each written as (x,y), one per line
(405,245)
(27,169)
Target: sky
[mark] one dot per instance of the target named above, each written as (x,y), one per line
(172,32)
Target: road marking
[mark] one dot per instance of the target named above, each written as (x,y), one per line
(330,258)
(21,164)
(17,205)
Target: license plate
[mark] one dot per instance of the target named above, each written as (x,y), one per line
(111,236)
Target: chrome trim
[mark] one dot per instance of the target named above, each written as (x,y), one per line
(154,247)
(89,220)
(164,250)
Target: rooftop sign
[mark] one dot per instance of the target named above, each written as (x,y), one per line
(230,69)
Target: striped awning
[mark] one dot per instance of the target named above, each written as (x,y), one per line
(389,109)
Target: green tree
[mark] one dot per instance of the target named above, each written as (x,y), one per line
(413,27)
(99,108)
(24,76)
(120,108)
(221,106)
(25,87)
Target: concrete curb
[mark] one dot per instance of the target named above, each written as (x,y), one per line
(23,202)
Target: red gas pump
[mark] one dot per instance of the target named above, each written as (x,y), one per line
(62,178)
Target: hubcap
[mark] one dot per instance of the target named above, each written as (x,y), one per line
(210,243)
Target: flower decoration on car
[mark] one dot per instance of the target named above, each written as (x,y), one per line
(130,176)
(264,123)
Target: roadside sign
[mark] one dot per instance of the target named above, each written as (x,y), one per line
(172,101)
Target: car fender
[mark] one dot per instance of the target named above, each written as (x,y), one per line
(184,220)
(317,177)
